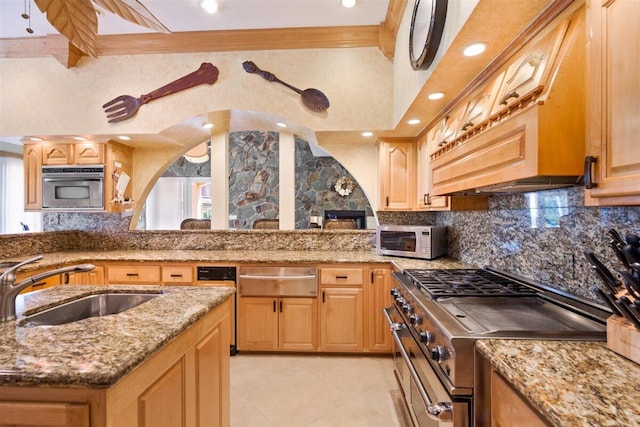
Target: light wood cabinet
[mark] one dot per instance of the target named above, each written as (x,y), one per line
(425,200)
(397,170)
(266,323)
(185,383)
(32,160)
(54,280)
(88,153)
(614,105)
(57,154)
(175,274)
(536,124)
(379,297)
(509,408)
(93,277)
(143,274)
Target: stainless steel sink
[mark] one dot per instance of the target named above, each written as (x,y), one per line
(90,306)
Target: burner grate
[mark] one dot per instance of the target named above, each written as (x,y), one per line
(466,282)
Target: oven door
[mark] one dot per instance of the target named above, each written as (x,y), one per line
(75,193)
(427,400)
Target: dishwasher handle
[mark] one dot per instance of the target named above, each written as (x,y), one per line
(278,277)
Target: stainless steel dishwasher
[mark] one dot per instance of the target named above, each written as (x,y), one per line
(277,281)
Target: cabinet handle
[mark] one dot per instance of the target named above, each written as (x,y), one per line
(66,278)
(512,94)
(588,166)
(280,306)
(342,277)
(176,275)
(387,201)
(274,306)
(323,297)
(467,125)
(427,199)
(372,277)
(38,285)
(132,274)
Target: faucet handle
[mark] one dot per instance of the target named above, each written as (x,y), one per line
(11,271)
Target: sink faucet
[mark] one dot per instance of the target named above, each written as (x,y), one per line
(9,289)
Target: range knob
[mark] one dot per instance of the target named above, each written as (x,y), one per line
(395,292)
(439,353)
(406,307)
(415,319)
(426,337)
(400,301)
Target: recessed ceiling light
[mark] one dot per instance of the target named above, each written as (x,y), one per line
(413,121)
(282,125)
(207,125)
(348,3)
(79,138)
(436,95)
(367,134)
(124,137)
(210,6)
(474,49)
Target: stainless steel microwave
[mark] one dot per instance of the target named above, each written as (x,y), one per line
(73,188)
(412,241)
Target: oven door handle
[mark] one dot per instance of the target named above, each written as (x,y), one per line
(440,411)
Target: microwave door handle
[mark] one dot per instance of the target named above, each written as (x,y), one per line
(72,180)
(440,411)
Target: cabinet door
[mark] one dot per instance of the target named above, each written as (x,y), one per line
(257,323)
(341,276)
(508,408)
(397,174)
(88,153)
(54,280)
(425,201)
(212,378)
(341,319)
(32,158)
(177,275)
(163,404)
(614,105)
(298,324)
(379,296)
(93,277)
(57,154)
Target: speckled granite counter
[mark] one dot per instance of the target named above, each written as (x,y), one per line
(236,256)
(572,383)
(97,352)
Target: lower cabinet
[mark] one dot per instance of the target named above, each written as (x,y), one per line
(184,384)
(93,277)
(509,408)
(54,280)
(342,319)
(269,323)
(379,297)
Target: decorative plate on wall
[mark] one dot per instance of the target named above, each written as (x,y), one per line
(425,34)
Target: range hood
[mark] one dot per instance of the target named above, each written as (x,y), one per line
(537,183)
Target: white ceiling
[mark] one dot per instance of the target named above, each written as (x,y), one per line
(186,15)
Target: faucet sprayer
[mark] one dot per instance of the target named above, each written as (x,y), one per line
(9,289)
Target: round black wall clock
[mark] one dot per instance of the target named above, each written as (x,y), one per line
(427,26)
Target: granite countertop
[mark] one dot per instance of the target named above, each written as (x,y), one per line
(97,352)
(56,259)
(572,383)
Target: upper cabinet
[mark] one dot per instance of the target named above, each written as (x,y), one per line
(612,166)
(523,129)
(397,170)
(32,158)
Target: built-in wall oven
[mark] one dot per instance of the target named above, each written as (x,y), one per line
(437,315)
(73,187)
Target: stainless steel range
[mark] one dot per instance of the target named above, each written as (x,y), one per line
(438,315)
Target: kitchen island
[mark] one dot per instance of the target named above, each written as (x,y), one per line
(163,362)
(567,383)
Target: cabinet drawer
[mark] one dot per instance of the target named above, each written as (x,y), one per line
(341,276)
(148,274)
(177,274)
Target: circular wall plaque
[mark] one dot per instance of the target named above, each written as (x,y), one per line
(427,26)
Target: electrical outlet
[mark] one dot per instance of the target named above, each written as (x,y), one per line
(569,265)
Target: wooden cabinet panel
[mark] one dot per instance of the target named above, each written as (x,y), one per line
(613,125)
(93,277)
(54,280)
(177,274)
(257,323)
(32,158)
(131,274)
(341,320)
(88,153)
(379,297)
(341,276)
(57,154)
(212,374)
(298,324)
(508,408)
(44,414)
(397,174)
(162,404)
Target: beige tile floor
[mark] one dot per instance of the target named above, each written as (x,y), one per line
(285,390)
